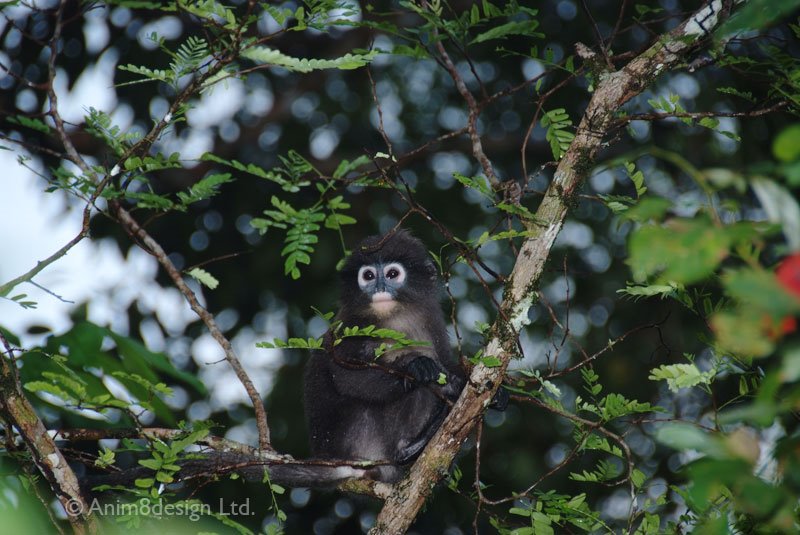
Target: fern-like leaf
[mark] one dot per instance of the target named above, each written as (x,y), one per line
(270,56)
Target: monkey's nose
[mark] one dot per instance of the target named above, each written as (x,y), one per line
(381,297)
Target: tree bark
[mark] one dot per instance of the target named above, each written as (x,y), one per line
(16,408)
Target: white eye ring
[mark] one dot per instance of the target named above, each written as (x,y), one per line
(366,274)
(395,272)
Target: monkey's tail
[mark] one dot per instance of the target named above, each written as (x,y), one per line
(217,464)
(314,476)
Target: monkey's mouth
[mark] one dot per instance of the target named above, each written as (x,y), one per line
(383,302)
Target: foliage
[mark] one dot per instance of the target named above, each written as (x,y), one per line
(557,122)
(686,242)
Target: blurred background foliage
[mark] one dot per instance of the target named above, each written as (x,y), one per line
(328,116)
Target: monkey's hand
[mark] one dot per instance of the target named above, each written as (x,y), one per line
(500,399)
(422,370)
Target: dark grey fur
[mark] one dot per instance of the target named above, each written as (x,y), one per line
(386,409)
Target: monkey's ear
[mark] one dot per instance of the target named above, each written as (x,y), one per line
(432,265)
(429,269)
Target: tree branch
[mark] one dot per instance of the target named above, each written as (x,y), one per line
(155,249)
(472,120)
(614,89)
(655,116)
(134,228)
(226,456)
(45,454)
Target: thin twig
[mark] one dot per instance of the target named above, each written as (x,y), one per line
(474,111)
(655,116)
(597,35)
(155,249)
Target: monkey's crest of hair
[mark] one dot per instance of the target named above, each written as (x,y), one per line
(399,246)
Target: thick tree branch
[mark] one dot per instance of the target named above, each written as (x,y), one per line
(48,459)
(614,89)
(221,457)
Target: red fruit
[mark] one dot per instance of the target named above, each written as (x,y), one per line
(777,329)
(788,274)
(788,325)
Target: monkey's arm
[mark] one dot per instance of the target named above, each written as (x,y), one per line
(355,372)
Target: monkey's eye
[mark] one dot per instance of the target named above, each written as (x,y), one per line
(395,272)
(366,274)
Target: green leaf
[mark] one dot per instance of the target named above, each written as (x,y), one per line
(32,123)
(525,27)
(477,183)
(643,9)
(152,464)
(274,176)
(131,349)
(760,289)
(204,277)
(618,203)
(54,390)
(149,75)
(556,121)
(298,343)
(302,225)
(518,210)
(637,177)
(335,221)
(683,436)
(790,365)
(504,235)
(648,209)
(746,95)
(145,199)
(213,12)
(207,187)
(491,362)
(270,56)
(164,477)
(638,478)
(20,300)
(681,251)
(551,387)
(742,334)
(781,207)
(756,14)
(680,376)
(346,166)
(786,145)
(106,458)
(652,290)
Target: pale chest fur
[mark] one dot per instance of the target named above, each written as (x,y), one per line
(415,326)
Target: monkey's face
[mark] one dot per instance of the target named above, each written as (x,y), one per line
(386,275)
(382,284)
